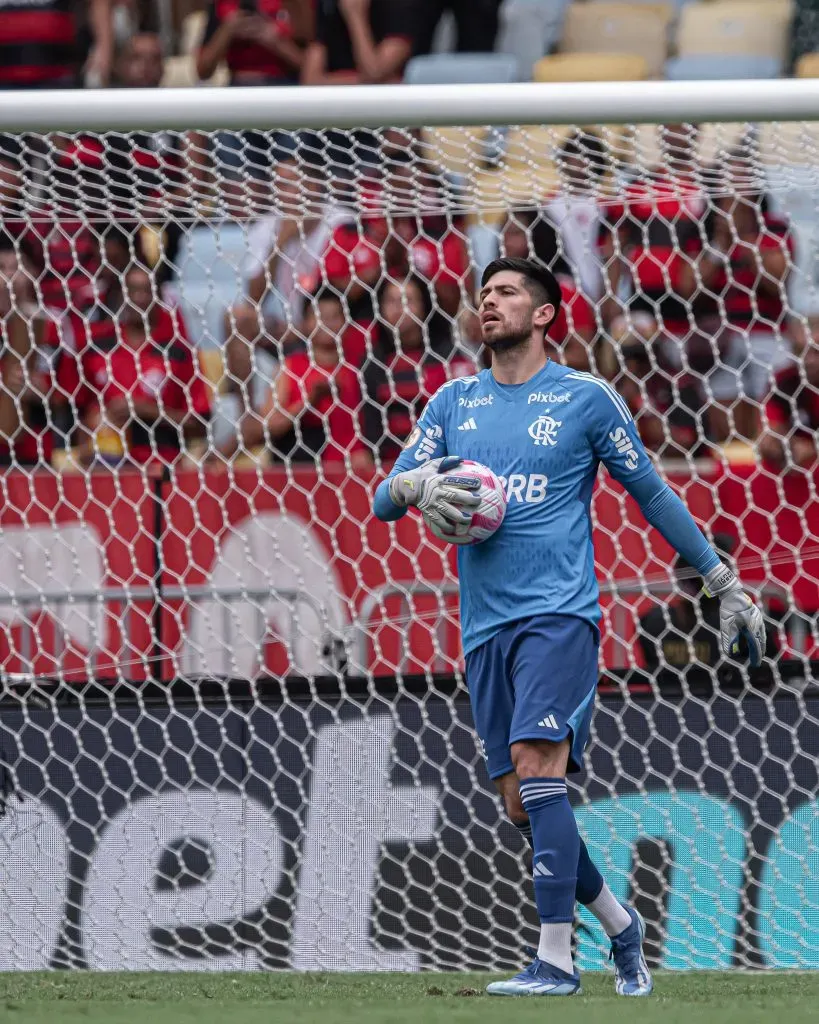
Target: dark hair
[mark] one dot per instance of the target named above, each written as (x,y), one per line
(540,282)
(588,147)
(545,245)
(324,293)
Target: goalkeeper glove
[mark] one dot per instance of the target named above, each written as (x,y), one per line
(738,615)
(444,501)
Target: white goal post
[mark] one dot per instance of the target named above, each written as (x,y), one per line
(375,106)
(234,732)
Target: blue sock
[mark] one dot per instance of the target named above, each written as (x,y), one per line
(556,847)
(589,879)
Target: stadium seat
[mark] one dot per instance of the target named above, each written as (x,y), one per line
(457,150)
(212,365)
(591,67)
(808,66)
(462,68)
(180,73)
(734,26)
(603,27)
(676,5)
(529,29)
(703,66)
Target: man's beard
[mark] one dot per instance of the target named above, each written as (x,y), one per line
(510,340)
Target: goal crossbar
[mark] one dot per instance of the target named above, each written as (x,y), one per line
(400,105)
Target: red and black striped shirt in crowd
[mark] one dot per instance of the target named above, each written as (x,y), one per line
(748,307)
(397,388)
(38,43)
(659,227)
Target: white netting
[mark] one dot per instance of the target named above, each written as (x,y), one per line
(232,699)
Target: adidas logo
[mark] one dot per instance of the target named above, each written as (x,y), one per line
(541,871)
(549,722)
(469,425)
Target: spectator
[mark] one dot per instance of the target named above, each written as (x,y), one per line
(147,171)
(285,247)
(668,405)
(526,234)
(68,224)
(792,408)
(25,438)
(568,238)
(443,262)
(476,24)
(360,254)
(412,357)
(284,250)
(40,44)
(574,329)
(360,42)
(745,266)
(141,62)
(310,413)
(804,28)
(262,41)
(140,392)
(650,238)
(684,632)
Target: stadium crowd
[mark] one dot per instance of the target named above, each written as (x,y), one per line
(349,264)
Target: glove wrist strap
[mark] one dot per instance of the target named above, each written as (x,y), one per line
(719,579)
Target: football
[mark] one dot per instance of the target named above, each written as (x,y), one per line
(488,516)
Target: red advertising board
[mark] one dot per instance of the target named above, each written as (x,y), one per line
(261,571)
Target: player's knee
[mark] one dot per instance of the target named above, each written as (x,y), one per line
(538,759)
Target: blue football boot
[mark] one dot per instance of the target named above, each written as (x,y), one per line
(631,974)
(538,979)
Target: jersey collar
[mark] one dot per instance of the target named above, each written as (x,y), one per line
(507,394)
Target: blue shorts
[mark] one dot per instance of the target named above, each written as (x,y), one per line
(534,680)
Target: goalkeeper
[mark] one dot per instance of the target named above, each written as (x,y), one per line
(529,596)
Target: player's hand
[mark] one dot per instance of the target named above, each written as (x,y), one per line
(738,615)
(445,501)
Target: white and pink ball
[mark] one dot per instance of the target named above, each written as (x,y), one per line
(488,516)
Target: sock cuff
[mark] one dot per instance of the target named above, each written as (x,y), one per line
(541,789)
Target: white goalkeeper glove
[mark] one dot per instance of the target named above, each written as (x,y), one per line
(738,615)
(444,501)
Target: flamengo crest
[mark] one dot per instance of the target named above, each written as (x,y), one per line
(544,430)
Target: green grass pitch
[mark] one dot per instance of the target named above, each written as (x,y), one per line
(281,998)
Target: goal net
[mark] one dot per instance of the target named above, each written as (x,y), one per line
(234,731)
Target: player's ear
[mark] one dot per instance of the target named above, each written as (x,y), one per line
(544,315)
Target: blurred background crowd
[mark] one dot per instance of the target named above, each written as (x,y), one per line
(299,296)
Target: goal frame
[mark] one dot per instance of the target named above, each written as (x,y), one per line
(374,106)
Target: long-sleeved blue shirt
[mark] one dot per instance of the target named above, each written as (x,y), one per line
(545,439)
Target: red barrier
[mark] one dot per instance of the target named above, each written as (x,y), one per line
(82,537)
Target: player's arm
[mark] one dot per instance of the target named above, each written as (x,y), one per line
(419,479)
(617,444)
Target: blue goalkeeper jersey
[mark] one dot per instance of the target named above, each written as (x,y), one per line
(546,439)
